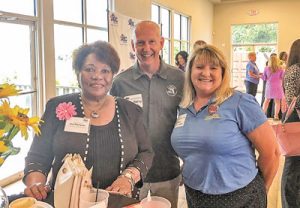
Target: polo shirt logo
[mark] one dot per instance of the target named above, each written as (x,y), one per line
(171,90)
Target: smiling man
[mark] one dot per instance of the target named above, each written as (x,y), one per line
(157,88)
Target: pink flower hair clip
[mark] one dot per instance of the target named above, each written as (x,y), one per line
(64,111)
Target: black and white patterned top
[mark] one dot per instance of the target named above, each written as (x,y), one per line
(292,84)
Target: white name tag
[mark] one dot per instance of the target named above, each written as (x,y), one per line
(180,121)
(136,99)
(78,125)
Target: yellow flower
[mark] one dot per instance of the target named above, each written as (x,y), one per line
(1,161)
(5,108)
(8,90)
(3,147)
(20,119)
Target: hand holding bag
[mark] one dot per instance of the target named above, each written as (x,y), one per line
(288,134)
(73,186)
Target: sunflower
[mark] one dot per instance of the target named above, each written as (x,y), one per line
(8,90)
(18,117)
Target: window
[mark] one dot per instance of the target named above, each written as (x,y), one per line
(25,57)
(259,38)
(181,34)
(83,27)
(19,66)
(174,30)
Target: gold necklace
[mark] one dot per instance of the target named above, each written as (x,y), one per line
(93,113)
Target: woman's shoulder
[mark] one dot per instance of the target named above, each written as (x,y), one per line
(294,68)
(64,98)
(239,97)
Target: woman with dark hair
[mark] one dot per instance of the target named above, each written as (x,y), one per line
(112,138)
(290,183)
(181,59)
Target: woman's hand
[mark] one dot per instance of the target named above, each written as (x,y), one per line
(35,185)
(37,190)
(121,185)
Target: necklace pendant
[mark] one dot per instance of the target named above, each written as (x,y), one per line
(94,114)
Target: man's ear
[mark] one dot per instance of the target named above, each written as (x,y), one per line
(132,45)
(162,41)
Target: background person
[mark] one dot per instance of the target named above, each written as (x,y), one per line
(116,144)
(273,75)
(215,135)
(283,56)
(157,87)
(181,59)
(198,43)
(252,75)
(290,183)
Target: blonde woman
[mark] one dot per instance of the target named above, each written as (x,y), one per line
(273,75)
(215,133)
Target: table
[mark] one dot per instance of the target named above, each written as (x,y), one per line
(114,200)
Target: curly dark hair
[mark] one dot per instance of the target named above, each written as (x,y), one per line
(103,51)
(183,54)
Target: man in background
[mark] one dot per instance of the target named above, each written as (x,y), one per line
(157,88)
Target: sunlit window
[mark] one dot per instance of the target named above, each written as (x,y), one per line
(18,66)
(174,30)
(83,27)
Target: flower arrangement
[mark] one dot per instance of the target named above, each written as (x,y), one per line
(12,121)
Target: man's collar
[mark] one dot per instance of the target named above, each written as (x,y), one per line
(162,72)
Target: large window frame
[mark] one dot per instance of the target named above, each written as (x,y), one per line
(170,48)
(41,22)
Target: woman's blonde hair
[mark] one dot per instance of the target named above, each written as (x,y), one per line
(206,54)
(274,64)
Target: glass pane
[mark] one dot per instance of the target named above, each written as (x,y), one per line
(74,10)
(97,13)
(177,26)
(166,52)
(154,13)
(184,46)
(176,48)
(254,33)
(18,6)
(15,43)
(184,28)
(165,21)
(66,81)
(94,35)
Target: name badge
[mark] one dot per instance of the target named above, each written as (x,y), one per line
(78,125)
(136,99)
(180,121)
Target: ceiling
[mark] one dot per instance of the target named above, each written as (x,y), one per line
(236,1)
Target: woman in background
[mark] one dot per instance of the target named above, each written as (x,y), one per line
(273,75)
(181,59)
(283,56)
(290,183)
(215,136)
